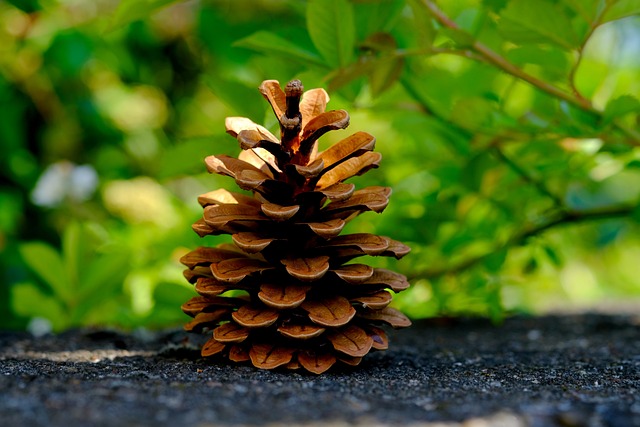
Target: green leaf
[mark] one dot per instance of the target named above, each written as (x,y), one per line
(27,6)
(553,61)
(553,255)
(332,30)
(169,293)
(343,76)
(387,68)
(475,169)
(473,113)
(531,266)
(28,300)
(267,42)
(105,273)
(495,261)
(622,9)
(460,37)
(133,10)
(525,21)
(414,28)
(386,72)
(580,122)
(495,5)
(619,107)
(375,16)
(431,95)
(12,210)
(47,263)
(588,9)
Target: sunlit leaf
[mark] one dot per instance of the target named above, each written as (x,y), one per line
(29,301)
(554,61)
(48,265)
(621,9)
(332,29)
(542,21)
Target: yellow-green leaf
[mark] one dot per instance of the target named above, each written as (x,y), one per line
(47,263)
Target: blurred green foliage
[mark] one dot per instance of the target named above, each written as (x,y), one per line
(509,130)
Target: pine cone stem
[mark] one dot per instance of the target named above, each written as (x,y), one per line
(291,120)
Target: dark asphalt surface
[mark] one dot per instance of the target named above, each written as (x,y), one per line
(577,370)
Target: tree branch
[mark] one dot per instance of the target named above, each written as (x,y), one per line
(492,57)
(564,217)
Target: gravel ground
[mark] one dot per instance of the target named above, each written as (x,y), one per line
(576,370)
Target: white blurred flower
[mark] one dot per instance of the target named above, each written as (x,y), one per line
(39,327)
(64,181)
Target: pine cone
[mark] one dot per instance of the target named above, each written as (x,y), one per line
(297,301)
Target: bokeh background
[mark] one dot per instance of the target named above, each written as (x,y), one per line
(509,131)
